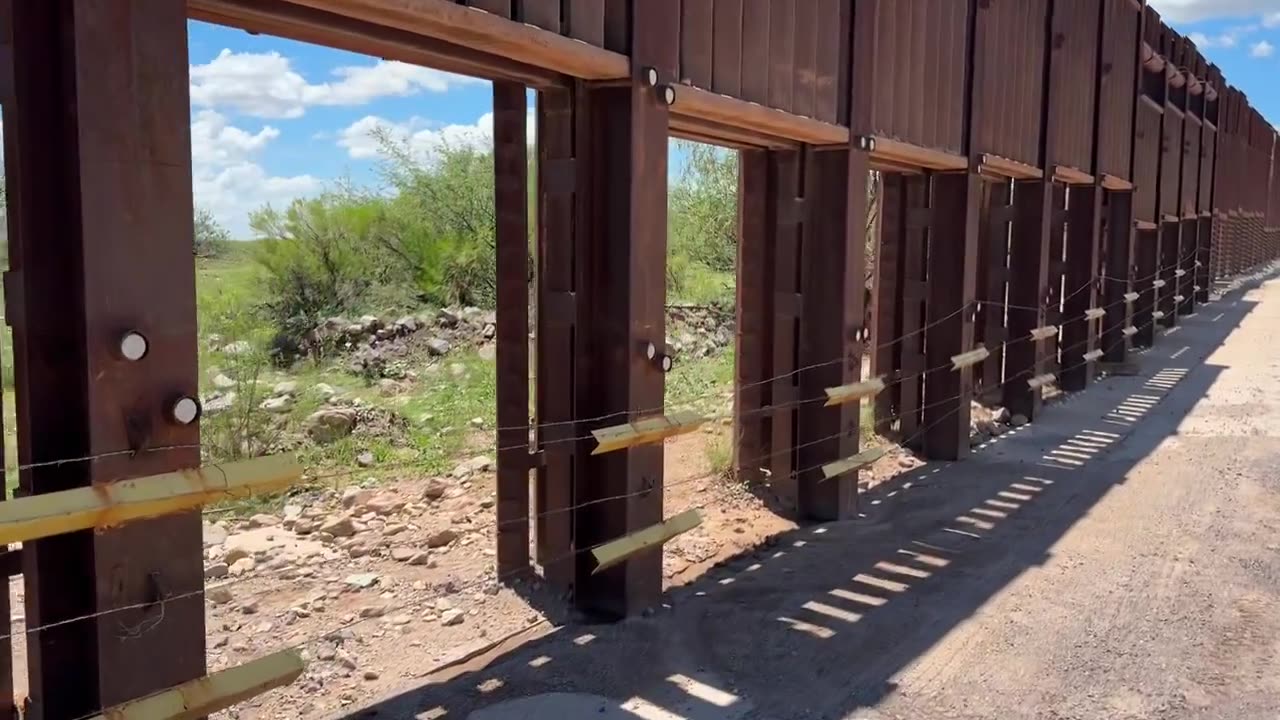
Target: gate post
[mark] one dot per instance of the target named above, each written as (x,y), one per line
(1079,335)
(100,161)
(1117,260)
(952,289)
(1028,287)
(832,315)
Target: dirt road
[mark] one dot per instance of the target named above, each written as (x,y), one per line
(1118,558)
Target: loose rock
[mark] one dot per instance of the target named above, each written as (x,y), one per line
(438,346)
(242,566)
(452,617)
(365,459)
(289,387)
(330,424)
(278,405)
(339,526)
(441,538)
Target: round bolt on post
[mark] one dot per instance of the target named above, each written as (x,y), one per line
(133,346)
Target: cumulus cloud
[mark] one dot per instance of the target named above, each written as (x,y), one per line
(227,178)
(266,85)
(422,139)
(1262,49)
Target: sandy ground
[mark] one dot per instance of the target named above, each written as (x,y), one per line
(1118,558)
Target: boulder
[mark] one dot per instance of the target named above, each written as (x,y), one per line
(239,347)
(370,323)
(356,497)
(435,489)
(324,391)
(289,387)
(442,538)
(278,405)
(365,459)
(218,404)
(222,382)
(438,346)
(447,318)
(330,424)
(339,526)
(408,323)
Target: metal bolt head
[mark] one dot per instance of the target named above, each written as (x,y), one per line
(667,363)
(669,95)
(133,346)
(651,351)
(651,76)
(185,410)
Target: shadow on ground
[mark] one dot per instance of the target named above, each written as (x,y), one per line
(819,624)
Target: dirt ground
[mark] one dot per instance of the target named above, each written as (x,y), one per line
(412,587)
(1117,558)
(1120,557)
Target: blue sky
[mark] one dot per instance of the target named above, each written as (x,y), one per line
(273,119)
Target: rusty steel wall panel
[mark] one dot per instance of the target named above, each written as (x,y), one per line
(1170,160)
(909,67)
(1146,161)
(1118,87)
(1008,83)
(779,53)
(539,13)
(1191,133)
(1074,40)
(1208,155)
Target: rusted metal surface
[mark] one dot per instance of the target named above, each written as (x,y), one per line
(832,315)
(1072,92)
(952,290)
(1008,78)
(1028,287)
(12,559)
(560,142)
(1119,74)
(787,169)
(1079,333)
(98,85)
(909,72)
(1171,155)
(1117,261)
(993,281)
(1146,160)
(511,203)
(1170,252)
(1146,262)
(754,345)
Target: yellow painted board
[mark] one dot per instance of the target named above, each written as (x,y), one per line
(212,693)
(973,357)
(617,551)
(643,432)
(855,462)
(111,504)
(1040,381)
(854,391)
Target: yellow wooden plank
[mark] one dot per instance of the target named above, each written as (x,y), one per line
(1040,381)
(620,550)
(646,431)
(973,357)
(854,391)
(1044,333)
(854,462)
(212,693)
(111,504)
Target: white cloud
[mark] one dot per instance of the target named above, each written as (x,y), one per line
(1262,49)
(423,140)
(266,85)
(226,177)
(1193,10)
(1271,19)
